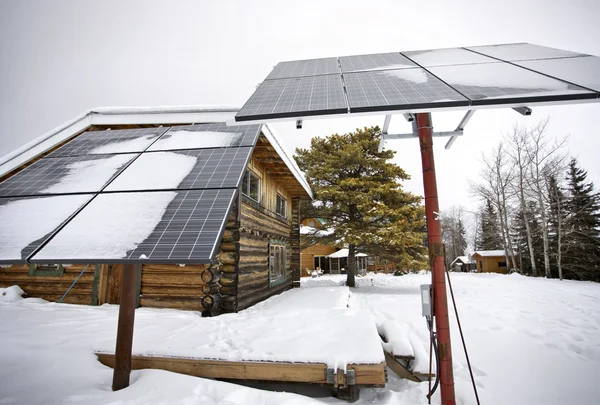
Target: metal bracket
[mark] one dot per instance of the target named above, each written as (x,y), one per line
(384,131)
(461,126)
(409,117)
(526,111)
(413,135)
(339,378)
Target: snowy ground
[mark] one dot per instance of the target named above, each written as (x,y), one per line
(532,341)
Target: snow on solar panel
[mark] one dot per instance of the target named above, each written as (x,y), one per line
(448,56)
(311,67)
(377,61)
(522,51)
(398,89)
(287,97)
(488,83)
(79,174)
(188,169)
(110,142)
(28,221)
(207,136)
(163,226)
(584,71)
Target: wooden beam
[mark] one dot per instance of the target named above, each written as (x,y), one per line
(314,373)
(125,327)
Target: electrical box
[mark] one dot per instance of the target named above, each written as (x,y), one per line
(426,302)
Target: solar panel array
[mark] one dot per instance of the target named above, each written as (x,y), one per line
(117,196)
(517,74)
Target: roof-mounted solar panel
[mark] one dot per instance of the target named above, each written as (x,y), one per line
(160,227)
(110,142)
(449,56)
(584,70)
(522,51)
(200,136)
(299,68)
(378,61)
(27,222)
(65,175)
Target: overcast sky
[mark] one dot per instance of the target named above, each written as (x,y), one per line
(60,58)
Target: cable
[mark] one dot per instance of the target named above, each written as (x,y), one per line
(69,289)
(437,359)
(462,337)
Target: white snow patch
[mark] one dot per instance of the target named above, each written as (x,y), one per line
(416,75)
(157,170)
(129,145)
(27,220)
(344,253)
(89,175)
(11,294)
(396,334)
(194,139)
(120,222)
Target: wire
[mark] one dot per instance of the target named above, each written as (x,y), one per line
(69,289)
(437,359)
(462,337)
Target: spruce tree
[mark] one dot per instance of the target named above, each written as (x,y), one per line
(490,232)
(581,255)
(360,197)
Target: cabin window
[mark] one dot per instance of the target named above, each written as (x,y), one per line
(251,185)
(281,207)
(502,265)
(55,270)
(276,263)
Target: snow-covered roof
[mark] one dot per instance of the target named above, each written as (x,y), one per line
(489,253)
(344,253)
(165,115)
(463,259)
(309,230)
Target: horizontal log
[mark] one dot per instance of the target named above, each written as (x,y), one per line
(228,268)
(36,290)
(253,259)
(23,278)
(246,300)
(184,279)
(231,235)
(211,301)
(315,373)
(252,268)
(170,290)
(229,246)
(228,290)
(228,257)
(172,302)
(173,268)
(228,279)
(71,298)
(211,275)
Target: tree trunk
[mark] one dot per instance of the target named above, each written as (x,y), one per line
(544,225)
(350,282)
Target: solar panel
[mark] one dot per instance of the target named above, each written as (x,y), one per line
(448,56)
(289,97)
(377,61)
(311,67)
(495,83)
(161,227)
(398,89)
(78,174)
(406,81)
(199,136)
(28,221)
(110,142)
(583,71)
(188,169)
(522,51)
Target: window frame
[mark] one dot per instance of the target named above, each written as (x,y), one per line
(249,173)
(46,270)
(281,198)
(277,254)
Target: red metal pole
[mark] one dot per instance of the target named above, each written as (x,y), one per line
(436,255)
(127,300)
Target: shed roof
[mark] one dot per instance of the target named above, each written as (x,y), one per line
(344,253)
(463,259)
(489,253)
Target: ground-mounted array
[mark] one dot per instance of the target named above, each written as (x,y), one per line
(415,81)
(157,194)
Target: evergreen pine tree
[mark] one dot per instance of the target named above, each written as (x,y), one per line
(490,231)
(360,197)
(581,255)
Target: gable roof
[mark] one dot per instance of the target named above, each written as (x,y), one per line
(463,259)
(161,115)
(489,253)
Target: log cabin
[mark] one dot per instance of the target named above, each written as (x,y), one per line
(256,246)
(490,261)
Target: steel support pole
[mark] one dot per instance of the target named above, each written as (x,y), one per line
(127,303)
(436,258)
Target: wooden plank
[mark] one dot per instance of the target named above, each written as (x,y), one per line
(314,373)
(399,369)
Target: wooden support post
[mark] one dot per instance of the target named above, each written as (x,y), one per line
(436,258)
(125,327)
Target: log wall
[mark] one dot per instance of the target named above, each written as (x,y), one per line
(52,288)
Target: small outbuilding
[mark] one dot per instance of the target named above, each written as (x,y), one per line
(490,261)
(462,264)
